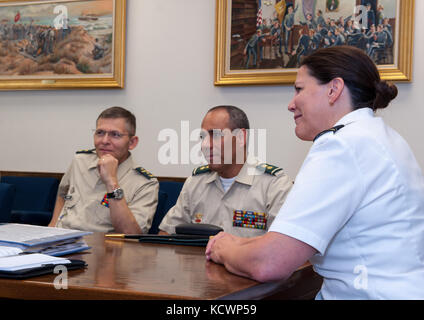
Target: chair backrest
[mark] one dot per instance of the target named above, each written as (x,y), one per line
(172,189)
(33,193)
(160,212)
(169,192)
(7,196)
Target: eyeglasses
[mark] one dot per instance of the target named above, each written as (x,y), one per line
(113,134)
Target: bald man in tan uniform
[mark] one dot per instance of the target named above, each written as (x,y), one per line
(258,194)
(242,198)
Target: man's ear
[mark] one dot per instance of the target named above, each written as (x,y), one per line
(133,142)
(335,89)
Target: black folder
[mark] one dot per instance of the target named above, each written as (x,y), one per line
(179,239)
(39,271)
(187,234)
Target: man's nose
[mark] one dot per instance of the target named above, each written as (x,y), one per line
(207,141)
(106,138)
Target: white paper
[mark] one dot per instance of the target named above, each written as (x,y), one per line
(32,235)
(9,251)
(27,261)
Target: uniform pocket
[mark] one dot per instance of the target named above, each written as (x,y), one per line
(249,223)
(100,214)
(71,199)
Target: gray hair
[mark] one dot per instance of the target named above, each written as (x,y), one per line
(119,112)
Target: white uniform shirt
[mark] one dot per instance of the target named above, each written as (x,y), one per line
(359,200)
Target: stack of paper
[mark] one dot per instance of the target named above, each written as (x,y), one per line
(46,240)
(9,251)
(29,261)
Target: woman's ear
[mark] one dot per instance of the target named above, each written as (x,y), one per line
(335,89)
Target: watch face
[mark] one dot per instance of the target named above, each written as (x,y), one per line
(119,193)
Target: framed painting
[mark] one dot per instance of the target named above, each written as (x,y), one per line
(261,42)
(62,44)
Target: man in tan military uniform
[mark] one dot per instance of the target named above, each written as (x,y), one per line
(242,198)
(103,190)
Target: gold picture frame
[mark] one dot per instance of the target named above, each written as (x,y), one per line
(62,44)
(400,70)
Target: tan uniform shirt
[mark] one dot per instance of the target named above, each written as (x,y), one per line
(83,191)
(203,200)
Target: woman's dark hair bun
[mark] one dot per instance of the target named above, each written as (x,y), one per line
(358,71)
(385,92)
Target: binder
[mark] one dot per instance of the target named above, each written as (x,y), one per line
(42,270)
(39,239)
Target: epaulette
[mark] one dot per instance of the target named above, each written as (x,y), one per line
(201,170)
(333,130)
(268,168)
(145,173)
(86,151)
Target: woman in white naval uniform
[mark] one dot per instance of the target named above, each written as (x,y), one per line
(356,210)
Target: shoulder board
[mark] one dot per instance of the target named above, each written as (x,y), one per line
(145,173)
(86,151)
(268,168)
(333,130)
(201,170)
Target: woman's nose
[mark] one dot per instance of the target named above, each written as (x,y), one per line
(291,107)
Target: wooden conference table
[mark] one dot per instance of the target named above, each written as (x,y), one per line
(127,269)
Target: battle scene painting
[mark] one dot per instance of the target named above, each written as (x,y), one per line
(276,34)
(56,38)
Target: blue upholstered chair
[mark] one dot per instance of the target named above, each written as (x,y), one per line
(34,200)
(7,195)
(168,195)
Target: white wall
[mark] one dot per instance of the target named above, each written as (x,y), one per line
(170,71)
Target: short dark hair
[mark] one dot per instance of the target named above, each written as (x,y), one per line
(357,70)
(237,118)
(119,112)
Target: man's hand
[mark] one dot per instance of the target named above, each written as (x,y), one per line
(108,170)
(121,216)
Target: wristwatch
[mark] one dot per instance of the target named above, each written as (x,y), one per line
(118,194)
